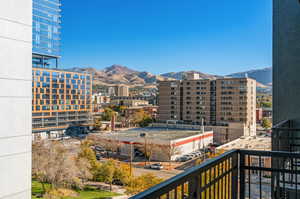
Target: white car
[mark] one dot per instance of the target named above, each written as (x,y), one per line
(157,166)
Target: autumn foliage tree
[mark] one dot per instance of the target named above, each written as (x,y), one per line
(112,170)
(141,183)
(141,118)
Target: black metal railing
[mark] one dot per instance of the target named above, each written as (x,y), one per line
(285,137)
(236,174)
(241,174)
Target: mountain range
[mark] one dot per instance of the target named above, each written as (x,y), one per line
(263,76)
(117,74)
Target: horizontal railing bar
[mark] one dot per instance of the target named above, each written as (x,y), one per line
(280,124)
(270,153)
(287,138)
(254,168)
(285,129)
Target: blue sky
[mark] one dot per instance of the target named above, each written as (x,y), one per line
(159,36)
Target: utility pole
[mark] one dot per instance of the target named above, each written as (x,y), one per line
(131,149)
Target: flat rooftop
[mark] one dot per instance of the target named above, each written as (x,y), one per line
(157,133)
(262,143)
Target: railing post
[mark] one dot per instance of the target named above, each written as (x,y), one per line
(242,175)
(194,187)
(234,176)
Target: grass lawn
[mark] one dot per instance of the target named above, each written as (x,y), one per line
(85,194)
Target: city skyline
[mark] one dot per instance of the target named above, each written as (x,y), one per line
(185,36)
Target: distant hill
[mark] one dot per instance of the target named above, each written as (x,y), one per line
(117,74)
(182,74)
(263,76)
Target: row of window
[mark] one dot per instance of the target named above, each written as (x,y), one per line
(61,102)
(60,107)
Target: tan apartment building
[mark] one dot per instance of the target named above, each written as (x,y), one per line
(236,101)
(169,100)
(227,105)
(122,90)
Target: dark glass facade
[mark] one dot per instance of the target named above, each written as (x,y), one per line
(46,30)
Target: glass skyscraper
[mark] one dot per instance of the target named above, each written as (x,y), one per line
(60,98)
(46,32)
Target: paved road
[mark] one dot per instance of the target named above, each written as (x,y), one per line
(189,164)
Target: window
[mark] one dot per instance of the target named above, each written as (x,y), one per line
(37,39)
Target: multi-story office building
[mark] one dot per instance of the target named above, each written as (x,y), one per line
(60,98)
(224,102)
(46,33)
(15,98)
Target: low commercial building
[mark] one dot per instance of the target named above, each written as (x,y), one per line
(99,100)
(222,134)
(260,143)
(259,115)
(267,112)
(129,101)
(164,143)
(150,110)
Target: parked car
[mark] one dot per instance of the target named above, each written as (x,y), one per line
(156,166)
(99,149)
(183,159)
(188,157)
(138,154)
(118,182)
(98,156)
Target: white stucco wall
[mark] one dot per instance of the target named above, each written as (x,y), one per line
(15,98)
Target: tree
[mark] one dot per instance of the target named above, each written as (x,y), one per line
(97,123)
(170,150)
(106,172)
(266,123)
(141,183)
(40,163)
(148,148)
(87,156)
(266,104)
(122,173)
(108,114)
(54,164)
(141,118)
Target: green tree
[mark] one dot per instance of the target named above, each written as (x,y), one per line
(108,114)
(266,123)
(266,104)
(87,153)
(106,172)
(97,123)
